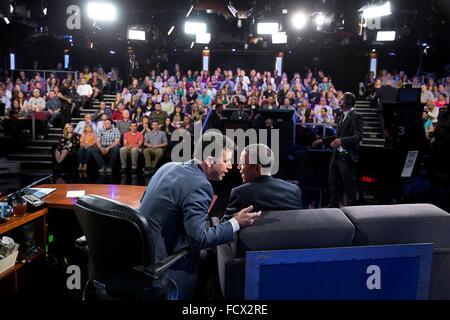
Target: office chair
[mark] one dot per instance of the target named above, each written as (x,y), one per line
(120,248)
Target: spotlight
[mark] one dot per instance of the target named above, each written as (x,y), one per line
(203,38)
(6,20)
(170,30)
(112,52)
(101,11)
(320,19)
(136,34)
(44,11)
(284,11)
(194,27)
(370,12)
(11,8)
(299,20)
(279,38)
(267,27)
(192,44)
(386,35)
(234,50)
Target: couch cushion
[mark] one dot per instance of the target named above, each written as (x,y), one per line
(397,224)
(296,229)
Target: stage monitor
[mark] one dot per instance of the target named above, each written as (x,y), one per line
(411,95)
(395,272)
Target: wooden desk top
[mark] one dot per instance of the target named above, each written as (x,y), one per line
(130,195)
(15,222)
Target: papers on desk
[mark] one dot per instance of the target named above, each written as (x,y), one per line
(75,194)
(41,192)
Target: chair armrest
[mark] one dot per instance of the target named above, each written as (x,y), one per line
(156,269)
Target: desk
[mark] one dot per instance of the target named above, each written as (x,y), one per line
(130,195)
(12,224)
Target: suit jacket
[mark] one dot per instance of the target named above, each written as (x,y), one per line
(176,205)
(351,132)
(264,193)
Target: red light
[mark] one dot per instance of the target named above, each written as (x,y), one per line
(368,179)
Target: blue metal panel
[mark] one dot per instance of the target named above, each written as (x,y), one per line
(339,273)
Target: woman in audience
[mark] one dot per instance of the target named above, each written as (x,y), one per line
(68,144)
(132,104)
(87,141)
(167,128)
(85,73)
(187,124)
(137,115)
(156,97)
(145,126)
(235,103)
(181,89)
(116,102)
(177,117)
(149,108)
(196,114)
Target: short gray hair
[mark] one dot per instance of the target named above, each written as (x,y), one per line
(262,155)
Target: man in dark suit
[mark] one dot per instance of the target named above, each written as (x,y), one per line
(385,94)
(176,206)
(260,189)
(349,134)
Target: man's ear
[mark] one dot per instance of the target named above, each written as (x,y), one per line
(209,161)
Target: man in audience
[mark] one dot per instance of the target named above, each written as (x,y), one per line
(102,110)
(108,145)
(158,115)
(66,97)
(132,143)
(260,189)
(87,121)
(5,101)
(269,104)
(118,114)
(84,90)
(178,211)
(154,144)
(53,108)
(124,125)
(167,105)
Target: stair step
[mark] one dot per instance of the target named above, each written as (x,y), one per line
(54,135)
(38,148)
(371,129)
(89,110)
(30,156)
(373,140)
(372,145)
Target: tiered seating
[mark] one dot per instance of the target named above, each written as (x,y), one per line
(37,154)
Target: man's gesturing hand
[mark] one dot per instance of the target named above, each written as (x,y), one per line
(246,217)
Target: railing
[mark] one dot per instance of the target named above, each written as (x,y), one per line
(44,73)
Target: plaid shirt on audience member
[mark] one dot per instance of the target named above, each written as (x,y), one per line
(107,137)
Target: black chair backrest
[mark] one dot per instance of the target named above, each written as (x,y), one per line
(117,236)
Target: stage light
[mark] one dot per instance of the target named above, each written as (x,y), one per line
(370,12)
(101,11)
(203,38)
(386,35)
(44,11)
(320,19)
(284,11)
(6,20)
(194,27)
(112,52)
(11,8)
(192,44)
(170,30)
(267,27)
(299,20)
(189,12)
(136,34)
(279,38)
